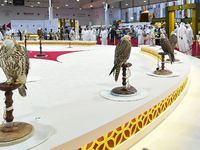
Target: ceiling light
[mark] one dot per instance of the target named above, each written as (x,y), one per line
(66,5)
(80,8)
(90,5)
(38,2)
(57,7)
(145,1)
(77,0)
(2,4)
(126,4)
(5,1)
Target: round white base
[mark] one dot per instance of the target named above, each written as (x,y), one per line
(175,62)
(42,131)
(141,93)
(32,79)
(174,74)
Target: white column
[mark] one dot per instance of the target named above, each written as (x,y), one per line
(106,17)
(50,10)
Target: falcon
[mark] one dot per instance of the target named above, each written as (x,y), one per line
(167,47)
(122,54)
(14,60)
(173,40)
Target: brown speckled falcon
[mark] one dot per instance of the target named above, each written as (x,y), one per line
(14,60)
(122,54)
(167,47)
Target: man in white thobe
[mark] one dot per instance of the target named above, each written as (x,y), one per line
(140,36)
(89,34)
(72,34)
(93,34)
(189,34)
(104,36)
(148,32)
(8,32)
(182,39)
(86,35)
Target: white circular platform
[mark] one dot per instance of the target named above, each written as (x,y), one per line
(141,93)
(175,62)
(174,74)
(32,79)
(42,131)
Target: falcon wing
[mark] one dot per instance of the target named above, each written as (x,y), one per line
(165,44)
(167,48)
(122,52)
(173,40)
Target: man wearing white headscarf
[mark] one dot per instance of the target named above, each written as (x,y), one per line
(8,32)
(140,36)
(72,34)
(182,39)
(148,32)
(85,35)
(189,34)
(93,34)
(104,36)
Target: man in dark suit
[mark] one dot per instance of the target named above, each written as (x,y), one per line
(113,34)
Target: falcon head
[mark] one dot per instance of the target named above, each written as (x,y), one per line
(162,36)
(173,33)
(127,37)
(7,46)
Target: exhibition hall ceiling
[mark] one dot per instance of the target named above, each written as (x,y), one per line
(83,4)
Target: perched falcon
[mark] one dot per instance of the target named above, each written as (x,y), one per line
(173,40)
(122,54)
(167,47)
(14,60)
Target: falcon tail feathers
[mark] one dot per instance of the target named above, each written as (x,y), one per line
(171,57)
(113,69)
(22,91)
(117,72)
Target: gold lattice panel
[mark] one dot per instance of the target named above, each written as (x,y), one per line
(122,133)
(127,130)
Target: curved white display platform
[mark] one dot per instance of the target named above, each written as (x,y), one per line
(140,94)
(42,131)
(67,94)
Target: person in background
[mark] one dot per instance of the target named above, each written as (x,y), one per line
(80,32)
(104,36)
(157,35)
(45,33)
(72,34)
(148,33)
(189,35)
(140,36)
(182,39)
(1,36)
(93,35)
(8,32)
(51,35)
(66,33)
(19,35)
(85,35)
(113,34)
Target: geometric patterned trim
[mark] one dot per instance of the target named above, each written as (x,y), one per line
(127,130)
